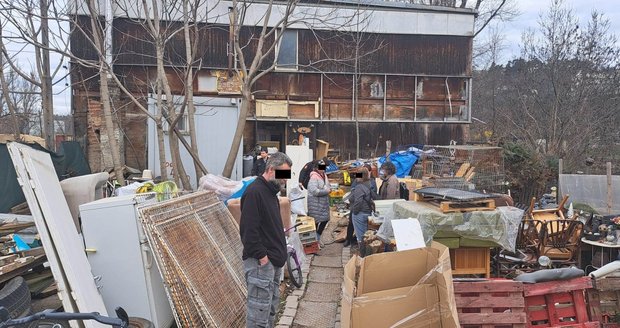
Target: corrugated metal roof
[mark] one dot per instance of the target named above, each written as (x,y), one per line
(402,5)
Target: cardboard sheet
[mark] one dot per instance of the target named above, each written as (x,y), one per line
(408,234)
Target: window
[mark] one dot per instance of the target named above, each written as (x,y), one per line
(182,124)
(287,50)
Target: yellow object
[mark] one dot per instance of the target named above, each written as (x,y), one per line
(166,190)
(336,193)
(347,178)
(146,187)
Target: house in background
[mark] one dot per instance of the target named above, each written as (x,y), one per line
(410,83)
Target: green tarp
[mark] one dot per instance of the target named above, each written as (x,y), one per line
(68,162)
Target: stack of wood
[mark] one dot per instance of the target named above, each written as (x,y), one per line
(466,171)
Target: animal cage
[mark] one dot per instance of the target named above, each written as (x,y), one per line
(462,167)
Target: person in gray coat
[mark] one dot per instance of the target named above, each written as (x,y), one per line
(318,198)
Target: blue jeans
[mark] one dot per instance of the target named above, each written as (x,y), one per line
(263,283)
(360,224)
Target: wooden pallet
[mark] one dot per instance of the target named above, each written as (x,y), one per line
(558,303)
(478,205)
(490,303)
(446,206)
(604,300)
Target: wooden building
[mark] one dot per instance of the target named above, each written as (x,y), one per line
(405,76)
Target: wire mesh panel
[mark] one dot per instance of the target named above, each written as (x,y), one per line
(462,167)
(198,250)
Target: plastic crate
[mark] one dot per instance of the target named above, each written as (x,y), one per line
(308,237)
(308,224)
(311,248)
(490,303)
(558,303)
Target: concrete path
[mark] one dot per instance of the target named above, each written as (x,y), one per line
(317,303)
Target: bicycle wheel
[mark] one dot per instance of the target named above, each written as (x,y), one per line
(294,271)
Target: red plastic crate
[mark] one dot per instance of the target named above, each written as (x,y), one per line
(311,248)
(558,303)
(490,303)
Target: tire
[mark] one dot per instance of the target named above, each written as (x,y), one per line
(294,273)
(15,297)
(135,322)
(49,323)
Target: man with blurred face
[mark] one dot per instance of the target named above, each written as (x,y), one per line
(264,243)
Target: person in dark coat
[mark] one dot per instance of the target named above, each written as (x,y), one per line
(264,243)
(372,184)
(259,165)
(361,203)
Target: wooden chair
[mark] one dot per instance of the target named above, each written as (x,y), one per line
(527,249)
(561,240)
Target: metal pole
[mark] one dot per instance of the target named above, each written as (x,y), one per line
(609,192)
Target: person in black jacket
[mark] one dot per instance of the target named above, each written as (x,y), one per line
(259,165)
(361,204)
(264,243)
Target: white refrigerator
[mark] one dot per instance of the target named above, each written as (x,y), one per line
(121,259)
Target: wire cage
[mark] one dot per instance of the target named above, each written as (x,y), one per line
(462,167)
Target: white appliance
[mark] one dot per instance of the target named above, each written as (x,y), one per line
(121,259)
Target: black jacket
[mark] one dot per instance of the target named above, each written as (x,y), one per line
(259,167)
(361,199)
(261,227)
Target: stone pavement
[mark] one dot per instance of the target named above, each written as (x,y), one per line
(317,302)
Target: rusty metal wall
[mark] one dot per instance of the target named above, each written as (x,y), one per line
(325,51)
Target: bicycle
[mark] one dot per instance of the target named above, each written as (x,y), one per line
(294,273)
(51,319)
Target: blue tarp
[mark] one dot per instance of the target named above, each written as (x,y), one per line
(403,160)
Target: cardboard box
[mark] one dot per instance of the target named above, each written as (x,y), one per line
(400,289)
(234,206)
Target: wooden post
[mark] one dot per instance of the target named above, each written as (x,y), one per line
(609,198)
(560,169)
(388,150)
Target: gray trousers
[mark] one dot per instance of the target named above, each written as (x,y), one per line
(263,284)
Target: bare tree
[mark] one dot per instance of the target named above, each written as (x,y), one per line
(30,25)
(560,97)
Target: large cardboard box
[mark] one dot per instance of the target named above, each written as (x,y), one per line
(400,289)
(234,206)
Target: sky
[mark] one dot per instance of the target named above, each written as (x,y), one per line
(531,10)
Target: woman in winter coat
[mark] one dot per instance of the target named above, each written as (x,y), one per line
(318,198)
(362,204)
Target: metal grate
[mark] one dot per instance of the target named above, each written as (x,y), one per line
(321,292)
(462,167)
(452,194)
(326,275)
(198,251)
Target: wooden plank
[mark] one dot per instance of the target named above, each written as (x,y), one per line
(489,302)
(594,306)
(491,318)
(8,259)
(488,286)
(462,170)
(543,288)
(609,283)
(56,220)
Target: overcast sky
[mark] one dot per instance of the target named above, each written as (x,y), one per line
(530,13)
